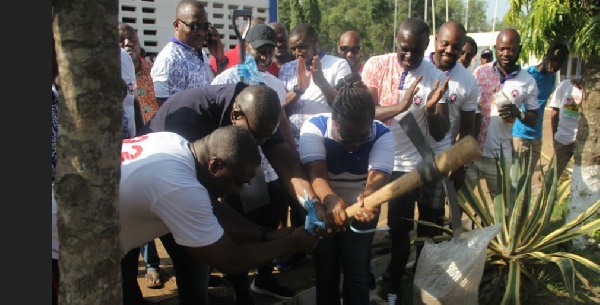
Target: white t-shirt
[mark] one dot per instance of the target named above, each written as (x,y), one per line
(567,99)
(520,89)
(313,100)
(128,75)
(384,70)
(462,95)
(230,76)
(159,193)
(347,171)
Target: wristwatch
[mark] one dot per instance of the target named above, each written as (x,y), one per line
(297,90)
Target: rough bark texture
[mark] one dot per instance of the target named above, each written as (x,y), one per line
(585,185)
(88,147)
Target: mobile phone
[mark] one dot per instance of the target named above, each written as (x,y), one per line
(209,38)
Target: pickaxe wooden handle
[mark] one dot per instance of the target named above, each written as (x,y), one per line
(459,154)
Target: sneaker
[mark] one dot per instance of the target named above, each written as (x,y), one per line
(243,296)
(392,298)
(286,263)
(272,288)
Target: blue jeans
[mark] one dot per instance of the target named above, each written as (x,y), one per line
(346,252)
(150,256)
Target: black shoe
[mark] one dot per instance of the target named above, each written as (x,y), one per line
(215,281)
(272,288)
(286,263)
(243,296)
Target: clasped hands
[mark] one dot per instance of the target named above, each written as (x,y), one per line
(333,213)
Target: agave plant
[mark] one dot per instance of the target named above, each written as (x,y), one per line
(525,214)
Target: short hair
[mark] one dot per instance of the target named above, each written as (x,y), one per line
(184,3)
(354,102)
(471,41)
(234,145)
(261,102)
(304,28)
(416,26)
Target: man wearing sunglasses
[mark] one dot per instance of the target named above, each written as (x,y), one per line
(350,48)
(182,63)
(194,113)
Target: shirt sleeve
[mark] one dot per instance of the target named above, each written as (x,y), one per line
(160,78)
(382,153)
(369,72)
(557,97)
(311,145)
(531,102)
(471,96)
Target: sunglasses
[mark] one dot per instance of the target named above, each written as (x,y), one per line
(354,49)
(257,136)
(196,26)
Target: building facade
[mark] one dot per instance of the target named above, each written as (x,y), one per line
(153,19)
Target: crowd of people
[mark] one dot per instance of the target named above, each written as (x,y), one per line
(220,152)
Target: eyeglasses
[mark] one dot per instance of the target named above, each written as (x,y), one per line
(257,137)
(353,49)
(353,139)
(265,51)
(196,26)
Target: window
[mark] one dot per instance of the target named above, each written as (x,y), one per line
(127,8)
(150,32)
(129,20)
(148,21)
(149,10)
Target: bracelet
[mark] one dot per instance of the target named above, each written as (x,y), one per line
(264,234)
(224,64)
(297,90)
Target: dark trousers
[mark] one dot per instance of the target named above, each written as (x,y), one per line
(266,216)
(191,274)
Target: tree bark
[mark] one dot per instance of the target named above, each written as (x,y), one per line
(585,183)
(88,148)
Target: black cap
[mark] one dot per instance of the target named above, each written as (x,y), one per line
(487,52)
(260,35)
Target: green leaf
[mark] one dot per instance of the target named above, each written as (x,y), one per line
(513,285)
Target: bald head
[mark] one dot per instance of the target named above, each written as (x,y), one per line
(234,145)
(508,35)
(449,42)
(186,8)
(279,28)
(508,48)
(349,36)
(258,108)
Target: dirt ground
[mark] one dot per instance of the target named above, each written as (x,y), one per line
(300,277)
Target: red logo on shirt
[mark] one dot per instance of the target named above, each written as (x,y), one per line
(417,101)
(515,93)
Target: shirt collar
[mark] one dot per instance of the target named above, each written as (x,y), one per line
(503,77)
(187,47)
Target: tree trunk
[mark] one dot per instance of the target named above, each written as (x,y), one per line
(585,185)
(88,148)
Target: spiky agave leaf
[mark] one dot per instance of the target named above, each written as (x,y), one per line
(512,293)
(566,266)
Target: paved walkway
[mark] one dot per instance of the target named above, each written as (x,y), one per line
(224,295)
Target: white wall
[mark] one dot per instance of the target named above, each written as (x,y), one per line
(153,19)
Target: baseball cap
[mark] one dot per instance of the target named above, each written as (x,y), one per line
(487,52)
(260,35)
